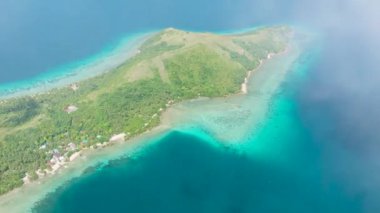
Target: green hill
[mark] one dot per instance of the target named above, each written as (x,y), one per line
(171,66)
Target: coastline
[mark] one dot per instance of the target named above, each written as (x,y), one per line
(24,198)
(244,111)
(92,66)
(27,195)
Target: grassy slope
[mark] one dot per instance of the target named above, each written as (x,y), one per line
(172,65)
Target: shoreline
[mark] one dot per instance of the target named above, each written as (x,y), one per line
(244,111)
(245,84)
(139,140)
(75,72)
(25,197)
(92,66)
(29,194)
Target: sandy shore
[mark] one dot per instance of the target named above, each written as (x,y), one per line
(234,119)
(106,62)
(228,119)
(22,199)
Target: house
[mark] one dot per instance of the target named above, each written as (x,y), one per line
(43,146)
(71,147)
(57,157)
(70,109)
(74,87)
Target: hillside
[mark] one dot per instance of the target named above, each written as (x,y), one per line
(171,66)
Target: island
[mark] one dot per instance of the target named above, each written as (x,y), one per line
(39,133)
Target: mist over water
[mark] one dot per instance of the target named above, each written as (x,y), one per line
(337,104)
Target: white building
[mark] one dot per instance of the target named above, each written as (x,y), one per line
(71,108)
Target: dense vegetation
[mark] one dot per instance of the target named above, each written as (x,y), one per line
(111,103)
(204,73)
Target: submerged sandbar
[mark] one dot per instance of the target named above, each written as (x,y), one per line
(215,116)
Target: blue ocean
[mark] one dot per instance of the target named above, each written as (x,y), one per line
(316,151)
(280,169)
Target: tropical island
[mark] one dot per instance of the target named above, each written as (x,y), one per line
(39,133)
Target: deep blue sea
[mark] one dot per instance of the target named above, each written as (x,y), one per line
(188,171)
(322,127)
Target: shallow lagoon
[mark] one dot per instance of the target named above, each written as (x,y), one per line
(269,165)
(322,133)
(273,167)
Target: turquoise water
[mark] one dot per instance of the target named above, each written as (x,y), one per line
(278,169)
(110,57)
(185,173)
(316,151)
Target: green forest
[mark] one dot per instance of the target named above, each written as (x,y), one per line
(195,64)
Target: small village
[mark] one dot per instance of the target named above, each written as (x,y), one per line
(60,159)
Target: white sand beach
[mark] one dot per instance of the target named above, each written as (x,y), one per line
(229,119)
